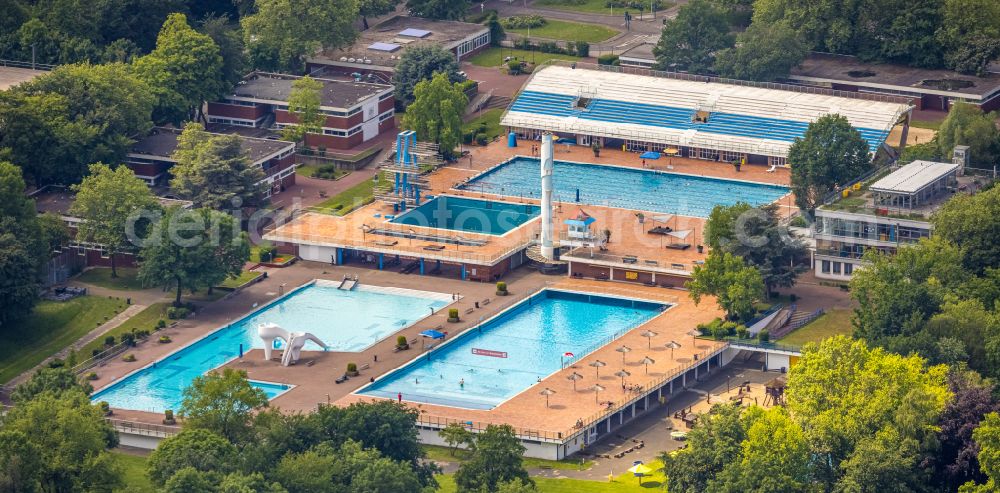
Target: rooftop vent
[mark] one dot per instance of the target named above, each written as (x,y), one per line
(415,33)
(386,47)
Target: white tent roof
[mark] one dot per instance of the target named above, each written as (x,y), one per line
(913,177)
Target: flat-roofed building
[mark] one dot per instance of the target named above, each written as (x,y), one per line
(689,116)
(151,158)
(356,112)
(885,214)
(378,48)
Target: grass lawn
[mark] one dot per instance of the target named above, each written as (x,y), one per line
(311,169)
(492,120)
(591,6)
(569,31)
(443,454)
(255,255)
(624,483)
(127,279)
(244,277)
(832,323)
(134,473)
(935,125)
(493,57)
(52,326)
(352,198)
(145,319)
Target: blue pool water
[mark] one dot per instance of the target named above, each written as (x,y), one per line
(624,188)
(271,389)
(534,335)
(344,320)
(472,215)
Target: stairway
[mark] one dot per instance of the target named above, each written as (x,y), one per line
(500,102)
(797,320)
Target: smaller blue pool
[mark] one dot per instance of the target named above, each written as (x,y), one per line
(470,215)
(271,389)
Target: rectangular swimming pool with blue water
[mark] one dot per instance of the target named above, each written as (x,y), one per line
(471,215)
(505,355)
(344,320)
(624,188)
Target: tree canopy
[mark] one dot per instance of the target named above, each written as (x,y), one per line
(304,103)
(735,285)
(282,33)
(969,221)
(689,42)
(764,52)
(496,458)
(214,171)
(223,403)
(830,154)
(436,112)
(438,9)
(106,200)
(967,125)
(420,63)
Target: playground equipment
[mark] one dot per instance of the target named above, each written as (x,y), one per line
(294,341)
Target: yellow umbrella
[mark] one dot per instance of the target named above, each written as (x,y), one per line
(640,470)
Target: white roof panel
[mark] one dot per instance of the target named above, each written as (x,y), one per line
(913,177)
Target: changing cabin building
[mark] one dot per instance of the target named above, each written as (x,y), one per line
(152,157)
(693,116)
(356,112)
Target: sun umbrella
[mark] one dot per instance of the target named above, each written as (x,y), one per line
(694,333)
(650,155)
(647,361)
(671,346)
(623,374)
(623,349)
(574,377)
(649,335)
(547,392)
(433,334)
(597,364)
(640,470)
(597,388)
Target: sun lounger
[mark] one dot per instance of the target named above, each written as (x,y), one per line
(678,246)
(342,379)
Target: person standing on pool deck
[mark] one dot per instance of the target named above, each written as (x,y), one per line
(399,396)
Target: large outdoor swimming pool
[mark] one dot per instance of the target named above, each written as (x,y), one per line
(471,215)
(344,320)
(624,188)
(507,354)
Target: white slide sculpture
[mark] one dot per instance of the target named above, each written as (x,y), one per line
(294,341)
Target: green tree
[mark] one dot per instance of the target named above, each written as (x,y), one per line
(830,154)
(54,381)
(385,475)
(757,235)
(977,329)
(967,125)
(969,221)
(826,25)
(420,63)
(735,285)
(304,103)
(192,249)
(184,71)
(762,466)
(249,483)
(106,200)
(282,33)
(497,458)
(214,171)
(310,471)
(497,33)
(436,112)
(24,245)
(197,449)
(68,439)
(846,395)
(106,97)
(223,403)
(438,9)
(900,31)
(712,445)
(689,42)
(456,434)
(226,35)
(375,8)
(987,436)
(189,480)
(516,486)
(762,53)
(970,32)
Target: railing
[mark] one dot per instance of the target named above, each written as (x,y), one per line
(754,343)
(144,429)
(101,357)
(633,262)
(31,65)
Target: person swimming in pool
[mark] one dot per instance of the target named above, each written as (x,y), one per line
(461,383)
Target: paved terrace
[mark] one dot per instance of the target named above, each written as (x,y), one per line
(628,236)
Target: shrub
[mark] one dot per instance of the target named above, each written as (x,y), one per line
(607,60)
(128,338)
(742,332)
(178,312)
(401,341)
(352,368)
(482,139)
(799,222)
(729,327)
(468,136)
(764,336)
(453,314)
(582,49)
(94,352)
(109,341)
(501,287)
(161,323)
(105,407)
(164,339)
(523,21)
(92,376)
(719,332)
(514,67)
(549,47)
(57,363)
(142,333)
(168,417)
(128,358)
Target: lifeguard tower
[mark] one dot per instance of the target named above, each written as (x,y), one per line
(578,232)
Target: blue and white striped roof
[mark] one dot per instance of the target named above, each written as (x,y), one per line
(654,109)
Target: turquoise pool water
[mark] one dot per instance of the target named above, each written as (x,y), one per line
(344,320)
(471,215)
(624,188)
(531,336)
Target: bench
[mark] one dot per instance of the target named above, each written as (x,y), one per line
(342,379)
(486,302)
(364,367)
(470,310)
(678,246)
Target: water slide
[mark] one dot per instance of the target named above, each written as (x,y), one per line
(294,341)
